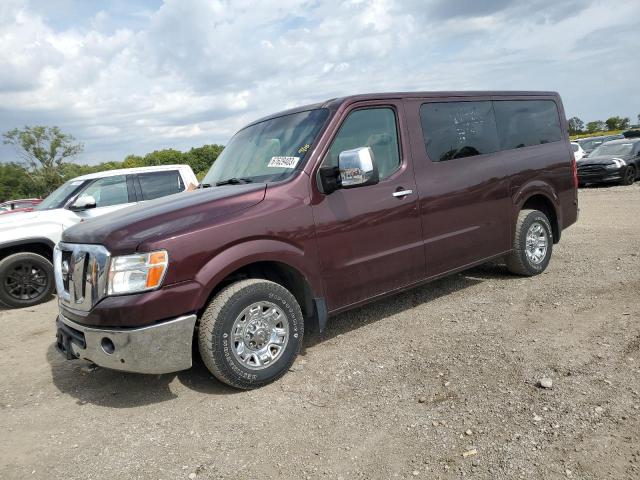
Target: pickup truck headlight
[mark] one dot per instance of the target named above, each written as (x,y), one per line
(137,273)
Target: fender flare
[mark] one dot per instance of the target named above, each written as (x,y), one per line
(28,241)
(521,194)
(257,250)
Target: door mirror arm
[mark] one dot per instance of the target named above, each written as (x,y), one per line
(329,179)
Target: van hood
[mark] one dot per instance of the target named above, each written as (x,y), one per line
(604,159)
(122,231)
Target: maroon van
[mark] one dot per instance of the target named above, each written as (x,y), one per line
(308,213)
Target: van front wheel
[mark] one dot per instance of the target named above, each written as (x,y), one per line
(251,333)
(532,244)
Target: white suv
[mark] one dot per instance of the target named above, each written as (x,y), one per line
(27,239)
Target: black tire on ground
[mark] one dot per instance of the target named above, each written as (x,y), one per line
(217,343)
(629,176)
(518,261)
(26,279)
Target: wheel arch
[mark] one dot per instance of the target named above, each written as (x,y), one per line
(540,196)
(273,260)
(40,246)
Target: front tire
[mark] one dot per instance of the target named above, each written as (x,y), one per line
(629,176)
(251,333)
(532,244)
(26,279)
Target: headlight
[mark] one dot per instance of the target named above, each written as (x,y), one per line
(612,166)
(137,273)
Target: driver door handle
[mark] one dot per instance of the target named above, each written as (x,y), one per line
(402,193)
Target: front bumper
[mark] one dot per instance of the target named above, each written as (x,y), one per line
(599,175)
(159,348)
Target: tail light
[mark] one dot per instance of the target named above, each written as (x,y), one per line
(574,170)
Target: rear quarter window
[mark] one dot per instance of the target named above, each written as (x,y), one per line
(160,184)
(458,129)
(523,123)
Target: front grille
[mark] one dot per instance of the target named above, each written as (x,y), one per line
(81,274)
(590,169)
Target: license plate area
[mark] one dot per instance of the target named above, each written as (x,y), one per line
(65,337)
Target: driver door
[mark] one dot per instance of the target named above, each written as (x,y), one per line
(369,237)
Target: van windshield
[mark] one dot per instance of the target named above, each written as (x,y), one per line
(59,197)
(267,151)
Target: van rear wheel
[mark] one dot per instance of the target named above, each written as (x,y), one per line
(532,244)
(251,333)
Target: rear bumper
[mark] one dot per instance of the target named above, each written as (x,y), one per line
(159,348)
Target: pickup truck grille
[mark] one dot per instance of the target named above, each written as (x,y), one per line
(81,274)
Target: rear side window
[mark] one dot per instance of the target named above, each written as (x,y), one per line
(369,127)
(458,129)
(522,123)
(160,184)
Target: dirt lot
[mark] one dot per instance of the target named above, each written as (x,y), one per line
(439,382)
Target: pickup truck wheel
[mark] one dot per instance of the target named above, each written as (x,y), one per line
(251,333)
(26,279)
(532,244)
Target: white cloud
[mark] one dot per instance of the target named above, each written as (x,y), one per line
(129,79)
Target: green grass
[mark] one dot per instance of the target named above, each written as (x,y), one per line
(596,134)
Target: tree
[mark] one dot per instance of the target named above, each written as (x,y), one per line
(43,150)
(617,123)
(14,182)
(595,126)
(575,126)
(200,159)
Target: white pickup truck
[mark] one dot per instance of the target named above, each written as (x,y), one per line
(27,239)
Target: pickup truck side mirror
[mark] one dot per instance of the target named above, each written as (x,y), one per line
(84,202)
(356,168)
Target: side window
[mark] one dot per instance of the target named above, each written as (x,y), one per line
(369,127)
(108,191)
(522,123)
(160,184)
(458,129)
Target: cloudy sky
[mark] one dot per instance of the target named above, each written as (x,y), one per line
(131,76)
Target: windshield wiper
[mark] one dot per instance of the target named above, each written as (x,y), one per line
(204,185)
(233,181)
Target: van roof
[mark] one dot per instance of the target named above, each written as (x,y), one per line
(335,103)
(129,171)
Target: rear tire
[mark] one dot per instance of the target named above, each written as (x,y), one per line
(532,244)
(26,279)
(251,333)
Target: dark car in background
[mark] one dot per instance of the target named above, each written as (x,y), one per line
(21,205)
(615,161)
(589,144)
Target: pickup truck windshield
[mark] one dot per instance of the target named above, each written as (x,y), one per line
(267,151)
(61,195)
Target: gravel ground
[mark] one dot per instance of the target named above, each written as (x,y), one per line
(438,382)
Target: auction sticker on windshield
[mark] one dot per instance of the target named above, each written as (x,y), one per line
(283,162)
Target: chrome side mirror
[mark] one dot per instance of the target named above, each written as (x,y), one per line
(357,168)
(84,202)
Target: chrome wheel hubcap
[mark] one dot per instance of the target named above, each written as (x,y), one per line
(259,335)
(537,243)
